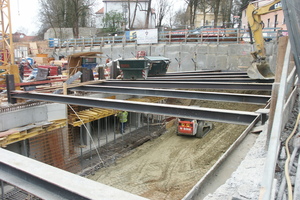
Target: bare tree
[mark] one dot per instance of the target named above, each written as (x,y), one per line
(226,10)
(162,8)
(134,14)
(148,14)
(129,13)
(52,14)
(66,13)
(216,7)
(180,18)
(192,5)
(205,7)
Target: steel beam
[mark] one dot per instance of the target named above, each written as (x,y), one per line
(202,79)
(202,76)
(191,85)
(203,73)
(212,96)
(47,182)
(209,114)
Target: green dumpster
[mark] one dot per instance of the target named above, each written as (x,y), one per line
(158,65)
(134,69)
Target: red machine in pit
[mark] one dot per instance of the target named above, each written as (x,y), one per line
(193,127)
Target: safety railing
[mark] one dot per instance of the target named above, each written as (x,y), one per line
(228,35)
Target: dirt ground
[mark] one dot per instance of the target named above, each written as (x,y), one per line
(169,166)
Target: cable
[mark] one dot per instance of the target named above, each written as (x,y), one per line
(88,133)
(286,166)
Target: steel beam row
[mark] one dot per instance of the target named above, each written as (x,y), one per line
(211,96)
(209,114)
(191,85)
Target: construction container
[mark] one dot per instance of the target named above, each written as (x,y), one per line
(89,63)
(52,70)
(135,69)
(158,65)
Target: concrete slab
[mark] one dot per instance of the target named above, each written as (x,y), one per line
(22,117)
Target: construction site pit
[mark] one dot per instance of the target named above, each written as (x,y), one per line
(155,163)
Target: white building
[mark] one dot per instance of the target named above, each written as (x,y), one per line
(127,8)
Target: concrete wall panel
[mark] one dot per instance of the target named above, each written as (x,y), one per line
(222,50)
(201,61)
(202,49)
(56,111)
(211,62)
(212,49)
(157,50)
(186,62)
(221,62)
(233,62)
(22,117)
(128,50)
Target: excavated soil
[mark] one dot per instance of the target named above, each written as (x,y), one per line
(169,166)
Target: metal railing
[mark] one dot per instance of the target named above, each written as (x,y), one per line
(228,35)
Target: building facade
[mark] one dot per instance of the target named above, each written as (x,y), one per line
(273,19)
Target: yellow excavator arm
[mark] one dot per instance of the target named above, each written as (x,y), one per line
(260,69)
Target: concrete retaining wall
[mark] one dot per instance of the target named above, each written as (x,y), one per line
(206,56)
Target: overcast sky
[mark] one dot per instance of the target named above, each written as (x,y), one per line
(24,15)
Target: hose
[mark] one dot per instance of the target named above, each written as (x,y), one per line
(296,145)
(286,166)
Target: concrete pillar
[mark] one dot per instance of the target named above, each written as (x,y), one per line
(65,141)
(136,120)
(87,134)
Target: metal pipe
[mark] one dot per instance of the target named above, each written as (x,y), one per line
(98,132)
(106,129)
(81,146)
(25,148)
(91,155)
(148,123)
(130,120)
(114,129)
(2,190)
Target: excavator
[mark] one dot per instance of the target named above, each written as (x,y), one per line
(260,68)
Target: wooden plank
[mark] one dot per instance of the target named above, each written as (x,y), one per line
(282,44)
(34,48)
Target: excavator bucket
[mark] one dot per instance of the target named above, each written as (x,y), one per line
(260,70)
